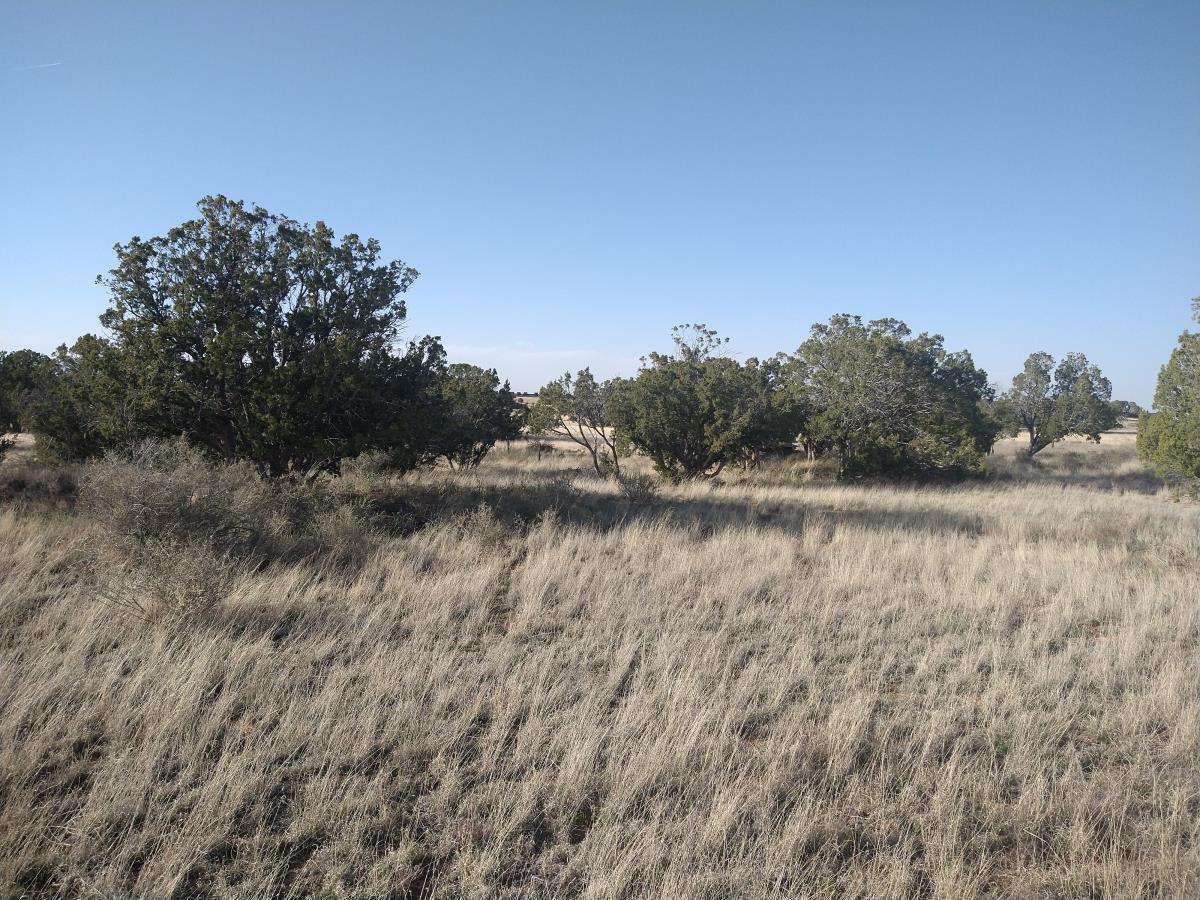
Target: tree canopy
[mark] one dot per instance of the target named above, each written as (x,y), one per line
(581,409)
(22,374)
(476,412)
(888,402)
(262,339)
(1049,402)
(89,403)
(695,411)
(1169,438)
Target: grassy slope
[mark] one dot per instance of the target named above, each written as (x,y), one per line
(766,689)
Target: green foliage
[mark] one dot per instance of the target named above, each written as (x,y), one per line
(783,407)
(1049,402)
(88,402)
(694,412)
(889,403)
(476,410)
(1169,438)
(22,374)
(580,408)
(265,340)
(1125,409)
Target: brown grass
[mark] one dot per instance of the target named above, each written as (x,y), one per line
(776,687)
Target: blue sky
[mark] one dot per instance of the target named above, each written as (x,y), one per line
(572,179)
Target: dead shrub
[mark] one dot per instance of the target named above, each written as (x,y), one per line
(639,489)
(372,463)
(174,528)
(167,492)
(482,526)
(165,578)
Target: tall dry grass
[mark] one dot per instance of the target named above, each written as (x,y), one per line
(535,685)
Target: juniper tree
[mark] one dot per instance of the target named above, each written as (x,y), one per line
(475,411)
(1169,438)
(695,411)
(1049,402)
(891,403)
(263,339)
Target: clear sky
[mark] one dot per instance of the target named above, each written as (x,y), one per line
(572,179)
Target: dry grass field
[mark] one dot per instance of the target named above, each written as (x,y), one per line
(528,682)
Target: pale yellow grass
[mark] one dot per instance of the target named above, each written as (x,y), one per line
(772,688)
(21,450)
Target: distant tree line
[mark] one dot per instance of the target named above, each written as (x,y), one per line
(262,339)
(871,395)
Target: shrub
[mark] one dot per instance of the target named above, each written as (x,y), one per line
(538,448)
(163,578)
(638,489)
(168,492)
(174,529)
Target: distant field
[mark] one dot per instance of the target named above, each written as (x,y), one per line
(774,687)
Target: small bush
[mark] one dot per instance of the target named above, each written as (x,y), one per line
(168,492)
(371,464)
(561,490)
(175,528)
(638,489)
(538,448)
(482,525)
(164,578)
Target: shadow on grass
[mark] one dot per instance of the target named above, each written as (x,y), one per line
(1069,471)
(403,508)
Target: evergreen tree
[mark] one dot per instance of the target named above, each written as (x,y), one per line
(263,339)
(476,411)
(1048,403)
(890,403)
(1169,438)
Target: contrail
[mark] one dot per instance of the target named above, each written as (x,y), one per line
(38,66)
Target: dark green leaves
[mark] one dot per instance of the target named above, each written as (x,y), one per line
(1049,403)
(1169,438)
(889,403)
(476,411)
(262,339)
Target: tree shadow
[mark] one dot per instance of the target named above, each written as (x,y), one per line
(1060,472)
(404,508)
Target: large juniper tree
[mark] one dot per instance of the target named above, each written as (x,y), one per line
(887,402)
(263,339)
